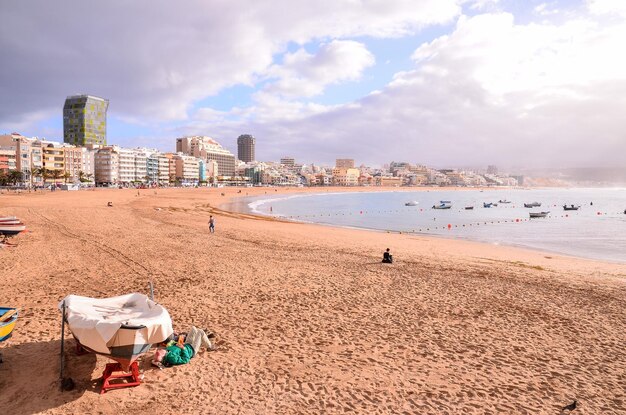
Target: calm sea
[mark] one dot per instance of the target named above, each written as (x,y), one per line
(597,230)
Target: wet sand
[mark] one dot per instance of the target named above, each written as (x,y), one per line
(309,320)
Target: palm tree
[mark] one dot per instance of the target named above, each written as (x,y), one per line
(66,175)
(15,176)
(41,172)
(56,175)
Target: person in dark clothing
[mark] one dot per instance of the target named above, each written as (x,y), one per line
(387,257)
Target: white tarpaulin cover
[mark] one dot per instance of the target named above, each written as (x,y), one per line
(95,321)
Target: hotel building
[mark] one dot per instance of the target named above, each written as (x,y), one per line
(245,148)
(208,149)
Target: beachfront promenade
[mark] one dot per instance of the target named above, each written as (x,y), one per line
(311,321)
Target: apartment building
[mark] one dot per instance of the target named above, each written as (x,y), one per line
(53,158)
(187,168)
(106,164)
(73,161)
(207,149)
(346,176)
(164,168)
(7,161)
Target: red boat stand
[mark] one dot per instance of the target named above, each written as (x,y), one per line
(127,379)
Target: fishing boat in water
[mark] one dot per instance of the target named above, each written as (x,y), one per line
(488,205)
(121,328)
(412,203)
(469,207)
(532,205)
(570,207)
(504,201)
(443,204)
(538,214)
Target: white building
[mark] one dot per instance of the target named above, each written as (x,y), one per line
(106,165)
(187,168)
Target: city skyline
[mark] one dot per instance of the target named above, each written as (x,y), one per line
(444,83)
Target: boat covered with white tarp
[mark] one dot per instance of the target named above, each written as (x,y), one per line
(121,328)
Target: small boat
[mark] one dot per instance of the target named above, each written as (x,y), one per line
(538,214)
(504,201)
(121,328)
(570,207)
(412,203)
(11,229)
(444,204)
(531,205)
(487,205)
(8,318)
(469,207)
(7,218)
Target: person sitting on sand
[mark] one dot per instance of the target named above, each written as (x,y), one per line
(181,351)
(387,257)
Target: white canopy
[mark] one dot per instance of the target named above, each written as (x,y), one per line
(95,321)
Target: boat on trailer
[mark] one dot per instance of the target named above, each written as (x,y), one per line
(538,214)
(121,328)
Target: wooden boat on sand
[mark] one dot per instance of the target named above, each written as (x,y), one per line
(121,328)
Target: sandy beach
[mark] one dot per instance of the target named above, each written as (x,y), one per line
(308,319)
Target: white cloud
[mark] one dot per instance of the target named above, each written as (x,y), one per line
(490,92)
(304,75)
(154,59)
(607,7)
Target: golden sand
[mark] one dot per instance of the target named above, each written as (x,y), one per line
(308,318)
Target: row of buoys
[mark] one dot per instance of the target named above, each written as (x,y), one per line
(364,212)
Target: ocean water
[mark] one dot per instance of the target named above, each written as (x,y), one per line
(597,230)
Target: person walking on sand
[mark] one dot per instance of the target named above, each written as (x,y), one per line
(211,224)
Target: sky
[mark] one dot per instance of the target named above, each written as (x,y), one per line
(446,83)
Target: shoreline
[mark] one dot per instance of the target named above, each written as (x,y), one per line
(247,211)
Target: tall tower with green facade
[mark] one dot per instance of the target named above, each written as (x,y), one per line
(85,120)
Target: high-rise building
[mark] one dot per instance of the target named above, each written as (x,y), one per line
(344,163)
(288,161)
(208,149)
(245,148)
(85,120)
